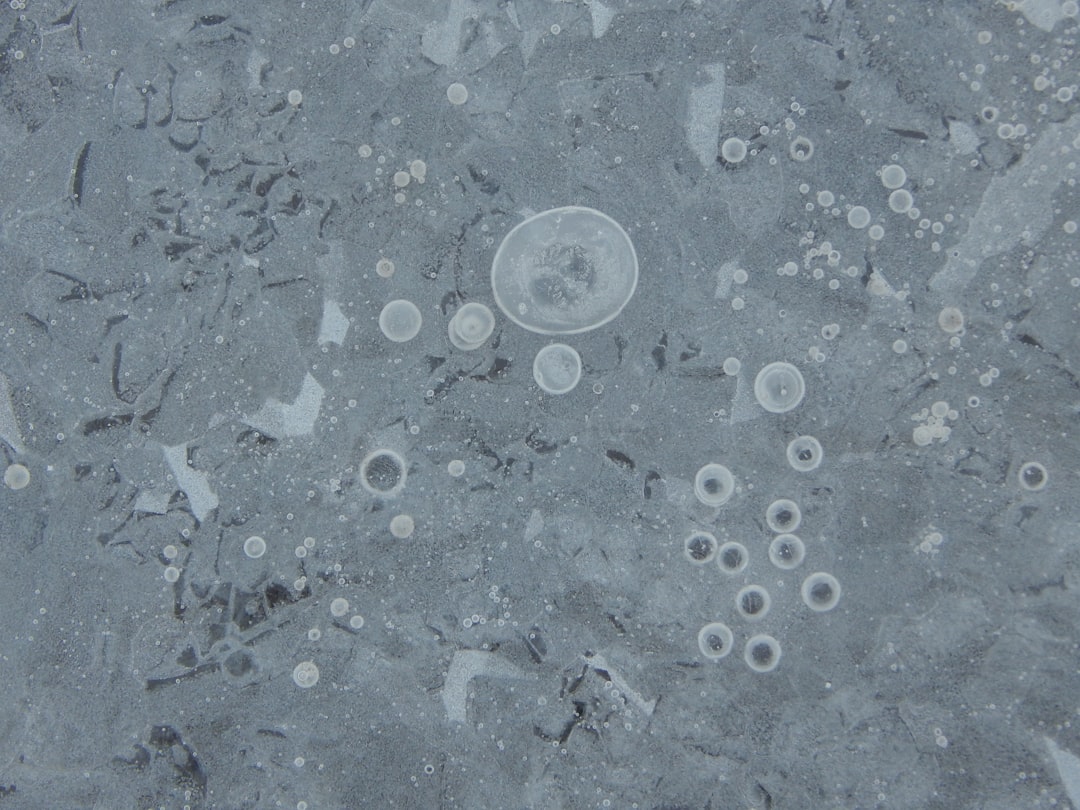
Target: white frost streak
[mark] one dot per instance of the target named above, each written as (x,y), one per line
(1068,766)
(706,105)
(464,666)
(9,427)
(1016,207)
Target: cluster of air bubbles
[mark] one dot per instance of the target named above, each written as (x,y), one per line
(933,423)
(400,320)
(714,485)
(471,326)
(383,472)
(557,368)
(779,387)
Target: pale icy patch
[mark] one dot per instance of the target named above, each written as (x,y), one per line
(601,17)
(706,105)
(1016,207)
(744,405)
(534,525)
(963,137)
(193,483)
(334,324)
(1044,14)
(826,4)
(1068,766)
(152,502)
(464,666)
(725,277)
(9,426)
(280,419)
(441,41)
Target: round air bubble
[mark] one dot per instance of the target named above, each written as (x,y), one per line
(402,526)
(557,368)
(715,640)
(787,551)
(732,557)
(471,326)
(400,320)
(455,468)
(901,201)
(457,94)
(1032,476)
(339,607)
(951,320)
(16,476)
(820,592)
(306,674)
(783,515)
(753,602)
(858,217)
(779,387)
(762,653)
(700,547)
(804,453)
(733,150)
(801,149)
(893,176)
(382,472)
(254,547)
(714,485)
(564,271)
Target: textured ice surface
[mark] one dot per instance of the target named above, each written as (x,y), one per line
(206,206)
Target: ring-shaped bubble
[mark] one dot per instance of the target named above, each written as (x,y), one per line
(700,547)
(804,453)
(715,640)
(714,485)
(820,592)
(787,551)
(753,602)
(471,326)
(564,271)
(383,472)
(779,387)
(732,557)
(783,515)
(557,368)
(1032,476)
(762,653)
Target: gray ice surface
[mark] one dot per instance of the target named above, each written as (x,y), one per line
(194,197)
